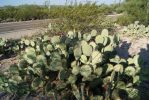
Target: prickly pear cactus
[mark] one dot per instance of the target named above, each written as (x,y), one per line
(83,66)
(136,30)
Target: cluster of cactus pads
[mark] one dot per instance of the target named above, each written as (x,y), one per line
(136,30)
(75,67)
(8,47)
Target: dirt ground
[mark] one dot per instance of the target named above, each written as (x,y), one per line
(131,46)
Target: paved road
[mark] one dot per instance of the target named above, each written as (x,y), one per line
(17,30)
(12,26)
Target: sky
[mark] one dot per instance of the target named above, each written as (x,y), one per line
(53,2)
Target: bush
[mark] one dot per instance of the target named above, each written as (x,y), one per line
(138,9)
(126,19)
(24,12)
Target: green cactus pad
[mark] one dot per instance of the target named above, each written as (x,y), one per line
(27,42)
(71,34)
(85,70)
(118,68)
(87,36)
(72,79)
(130,71)
(75,70)
(37,83)
(63,75)
(86,49)
(55,39)
(93,33)
(98,71)
(93,44)
(46,38)
(83,59)
(99,39)
(96,57)
(108,48)
(41,59)
(49,47)
(77,52)
(105,32)
(32,43)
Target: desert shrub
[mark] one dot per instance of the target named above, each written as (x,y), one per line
(126,19)
(138,9)
(23,12)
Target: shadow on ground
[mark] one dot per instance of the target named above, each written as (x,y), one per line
(123,51)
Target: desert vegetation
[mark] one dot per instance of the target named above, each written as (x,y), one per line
(76,58)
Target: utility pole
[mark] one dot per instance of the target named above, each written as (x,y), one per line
(49,5)
(119,2)
(114,1)
(75,2)
(66,2)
